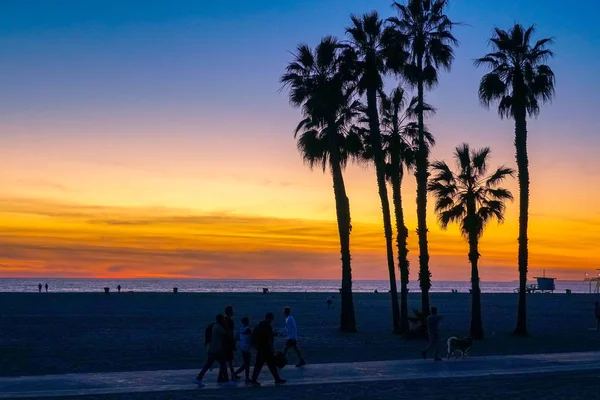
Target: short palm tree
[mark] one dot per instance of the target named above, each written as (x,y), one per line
(319,86)
(368,53)
(400,134)
(427,34)
(519,82)
(470,198)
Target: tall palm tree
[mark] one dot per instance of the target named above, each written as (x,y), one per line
(400,134)
(319,86)
(519,82)
(368,53)
(427,34)
(470,198)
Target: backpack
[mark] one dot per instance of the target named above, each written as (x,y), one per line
(208,334)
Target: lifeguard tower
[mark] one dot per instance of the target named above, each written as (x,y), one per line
(544,284)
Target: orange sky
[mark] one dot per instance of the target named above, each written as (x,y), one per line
(71,214)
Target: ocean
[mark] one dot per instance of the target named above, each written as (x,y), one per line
(255,285)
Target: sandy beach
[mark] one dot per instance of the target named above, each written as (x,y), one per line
(61,333)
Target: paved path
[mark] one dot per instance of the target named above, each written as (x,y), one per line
(179,380)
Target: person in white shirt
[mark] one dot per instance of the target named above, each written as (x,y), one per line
(291,333)
(243,337)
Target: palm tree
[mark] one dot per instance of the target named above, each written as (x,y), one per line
(368,53)
(426,32)
(400,134)
(470,198)
(519,82)
(319,85)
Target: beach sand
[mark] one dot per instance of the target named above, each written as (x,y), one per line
(61,333)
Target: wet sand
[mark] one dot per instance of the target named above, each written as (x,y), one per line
(60,333)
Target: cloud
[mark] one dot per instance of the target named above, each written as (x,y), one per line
(45,237)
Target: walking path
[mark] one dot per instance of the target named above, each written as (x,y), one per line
(178,380)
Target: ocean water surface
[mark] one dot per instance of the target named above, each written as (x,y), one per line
(255,285)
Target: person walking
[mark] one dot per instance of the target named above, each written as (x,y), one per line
(433,323)
(230,345)
(262,340)
(243,337)
(215,339)
(291,333)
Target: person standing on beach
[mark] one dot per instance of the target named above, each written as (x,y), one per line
(218,336)
(243,337)
(433,323)
(40,287)
(119,288)
(230,345)
(291,333)
(329,301)
(46,287)
(262,340)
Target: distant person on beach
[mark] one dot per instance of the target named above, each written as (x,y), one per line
(46,288)
(597,315)
(40,287)
(433,323)
(216,336)
(291,333)
(262,340)
(119,288)
(243,337)
(230,345)
(329,301)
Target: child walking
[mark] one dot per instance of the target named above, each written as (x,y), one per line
(243,337)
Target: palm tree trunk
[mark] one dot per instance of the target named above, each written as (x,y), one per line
(401,243)
(422,175)
(523,171)
(342,208)
(378,156)
(476,330)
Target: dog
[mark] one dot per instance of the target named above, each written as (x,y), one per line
(456,345)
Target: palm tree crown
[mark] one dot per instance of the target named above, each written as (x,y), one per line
(469,197)
(427,33)
(518,75)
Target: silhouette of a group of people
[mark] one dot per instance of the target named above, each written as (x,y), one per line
(40,287)
(222,341)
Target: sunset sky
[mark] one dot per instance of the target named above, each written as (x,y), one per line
(150,139)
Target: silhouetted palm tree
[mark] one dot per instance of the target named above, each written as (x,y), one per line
(400,136)
(519,82)
(470,198)
(426,32)
(368,53)
(319,85)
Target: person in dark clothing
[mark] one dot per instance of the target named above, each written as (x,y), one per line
(230,345)
(218,337)
(40,287)
(119,288)
(262,340)
(46,288)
